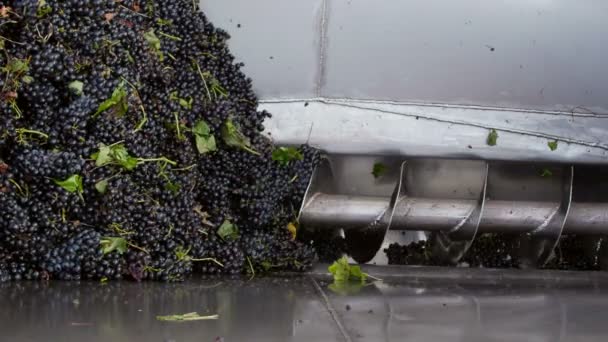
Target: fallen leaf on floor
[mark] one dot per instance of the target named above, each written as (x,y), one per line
(192,316)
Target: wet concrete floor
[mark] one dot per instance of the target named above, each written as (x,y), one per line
(406,306)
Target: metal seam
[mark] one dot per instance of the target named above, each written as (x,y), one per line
(472,124)
(322,48)
(483,126)
(320,99)
(331,310)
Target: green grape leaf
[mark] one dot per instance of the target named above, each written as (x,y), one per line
(205,144)
(378,170)
(154,43)
(114,154)
(17,66)
(174,188)
(186,103)
(181,253)
(201,128)
(152,39)
(121,156)
(43,9)
(102,157)
(292,228)
(72,184)
(27,79)
(118,100)
(552,145)
(76,87)
(356,273)
(164,22)
(102,186)
(492,138)
(130,58)
(233,137)
(205,141)
(342,271)
(110,244)
(266,265)
(284,155)
(228,231)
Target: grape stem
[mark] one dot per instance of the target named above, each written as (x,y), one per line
(251,267)
(29,131)
(162,159)
(132,11)
(166,35)
(250,150)
(200,72)
(137,247)
(141,106)
(208,259)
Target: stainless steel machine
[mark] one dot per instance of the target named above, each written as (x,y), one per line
(418,87)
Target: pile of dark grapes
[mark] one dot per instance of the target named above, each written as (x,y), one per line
(572,253)
(499,251)
(329,244)
(131,147)
(491,251)
(414,253)
(488,251)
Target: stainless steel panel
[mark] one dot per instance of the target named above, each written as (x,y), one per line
(277,41)
(518,54)
(434,62)
(449,179)
(355,127)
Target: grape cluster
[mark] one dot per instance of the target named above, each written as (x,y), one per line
(572,253)
(328,243)
(131,147)
(229,258)
(491,251)
(266,252)
(66,259)
(414,253)
(488,251)
(500,251)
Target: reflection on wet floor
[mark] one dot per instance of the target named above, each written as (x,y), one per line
(304,309)
(280,309)
(400,312)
